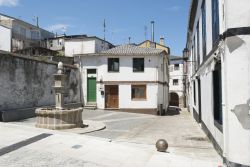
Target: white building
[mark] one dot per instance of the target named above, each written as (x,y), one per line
(82,44)
(218,85)
(127,77)
(176,81)
(5,39)
(23,34)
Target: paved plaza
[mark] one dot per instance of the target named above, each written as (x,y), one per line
(128,140)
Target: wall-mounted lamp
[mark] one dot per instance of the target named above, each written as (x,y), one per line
(185,53)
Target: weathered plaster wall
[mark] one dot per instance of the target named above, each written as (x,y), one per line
(27,83)
(237,88)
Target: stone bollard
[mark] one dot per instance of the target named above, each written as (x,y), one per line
(161,145)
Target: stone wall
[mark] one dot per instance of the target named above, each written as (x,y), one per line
(26,83)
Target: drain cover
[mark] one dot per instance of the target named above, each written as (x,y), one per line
(76,146)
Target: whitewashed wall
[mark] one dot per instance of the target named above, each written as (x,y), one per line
(84,46)
(176,74)
(125,74)
(235,138)
(79,47)
(5,39)
(206,81)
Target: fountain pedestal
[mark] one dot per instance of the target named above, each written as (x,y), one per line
(59,117)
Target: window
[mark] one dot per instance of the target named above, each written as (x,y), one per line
(195,56)
(194,92)
(217,94)
(198,42)
(35,35)
(113,64)
(23,32)
(175,82)
(176,67)
(138,92)
(215,20)
(204,35)
(138,64)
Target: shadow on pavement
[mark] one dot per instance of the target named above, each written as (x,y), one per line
(172,110)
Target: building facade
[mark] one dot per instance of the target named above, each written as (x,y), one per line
(23,34)
(217,62)
(5,40)
(151,44)
(82,44)
(176,82)
(127,77)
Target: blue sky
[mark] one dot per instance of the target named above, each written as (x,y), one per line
(124,18)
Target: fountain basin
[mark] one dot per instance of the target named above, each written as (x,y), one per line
(56,119)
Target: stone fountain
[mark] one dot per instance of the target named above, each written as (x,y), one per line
(59,117)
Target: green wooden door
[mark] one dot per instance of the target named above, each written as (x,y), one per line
(91,90)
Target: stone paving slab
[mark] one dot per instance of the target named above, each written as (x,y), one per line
(68,149)
(187,142)
(90,126)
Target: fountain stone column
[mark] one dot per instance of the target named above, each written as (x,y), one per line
(59,86)
(59,117)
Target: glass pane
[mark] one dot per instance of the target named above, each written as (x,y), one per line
(138,92)
(138,64)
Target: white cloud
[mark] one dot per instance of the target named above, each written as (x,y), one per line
(174,8)
(9,3)
(59,27)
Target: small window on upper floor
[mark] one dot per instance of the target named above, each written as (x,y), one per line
(113,64)
(176,67)
(175,82)
(138,64)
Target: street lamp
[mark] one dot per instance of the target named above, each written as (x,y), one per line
(185,53)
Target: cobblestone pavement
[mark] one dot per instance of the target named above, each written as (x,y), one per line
(188,145)
(182,133)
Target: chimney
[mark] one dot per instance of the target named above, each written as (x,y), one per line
(162,40)
(152,31)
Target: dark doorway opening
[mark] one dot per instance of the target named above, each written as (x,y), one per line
(174,99)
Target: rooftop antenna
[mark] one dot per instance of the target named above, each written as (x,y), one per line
(129,38)
(104,29)
(145,32)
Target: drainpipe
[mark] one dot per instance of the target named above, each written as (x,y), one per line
(164,93)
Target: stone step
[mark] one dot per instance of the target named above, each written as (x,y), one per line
(90,105)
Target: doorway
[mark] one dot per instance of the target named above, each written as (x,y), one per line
(112,96)
(174,99)
(91,85)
